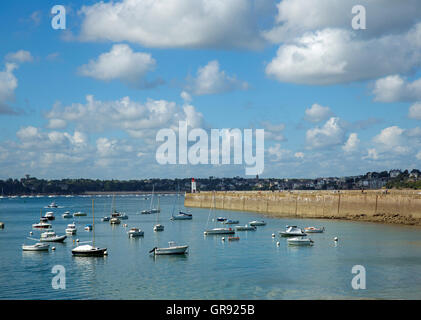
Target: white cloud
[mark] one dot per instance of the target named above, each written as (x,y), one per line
(331,134)
(371,154)
(211,80)
(276,153)
(352,143)
(19,56)
(415,111)
(395,88)
(173,23)
(317,113)
(392,139)
(56,124)
(119,63)
(299,155)
(8,84)
(273,131)
(329,56)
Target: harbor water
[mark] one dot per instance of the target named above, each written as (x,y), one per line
(255,267)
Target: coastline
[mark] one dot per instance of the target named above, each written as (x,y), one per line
(391,207)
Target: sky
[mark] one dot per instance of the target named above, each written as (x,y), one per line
(88,100)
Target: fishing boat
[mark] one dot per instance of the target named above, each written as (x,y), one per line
(245,228)
(158,227)
(79,214)
(52,205)
(88,250)
(50,215)
(71,229)
(36,247)
(88,227)
(51,236)
(216,231)
(135,232)
(314,230)
(292,231)
(299,241)
(67,215)
(229,221)
(172,248)
(257,223)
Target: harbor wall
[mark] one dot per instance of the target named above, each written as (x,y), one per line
(403,207)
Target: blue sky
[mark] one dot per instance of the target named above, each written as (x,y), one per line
(333,100)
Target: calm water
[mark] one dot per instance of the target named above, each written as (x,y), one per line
(252,268)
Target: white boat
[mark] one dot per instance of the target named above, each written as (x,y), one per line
(219,231)
(51,236)
(41,225)
(145,212)
(158,227)
(229,221)
(105,219)
(79,214)
(257,223)
(299,241)
(119,215)
(135,232)
(292,231)
(67,215)
(71,229)
(88,250)
(245,228)
(314,230)
(181,215)
(173,248)
(36,247)
(88,227)
(115,221)
(52,205)
(49,215)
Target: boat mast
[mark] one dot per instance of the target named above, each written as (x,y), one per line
(93,225)
(153,189)
(157,216)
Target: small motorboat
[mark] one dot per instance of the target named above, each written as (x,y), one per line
(41,225)
(119,215)
(299,241)
(257,223)
(71,229)
(79,214)
(219,231)
(314,230)
(155,210)
(52,205)
(229,221)
(49,215)
(292,231)
(88,227)
(51,236)
(245,228)
(67,215)
(172,249)
(104,219)
(89,251)
(221,219)
(115,221)
(135,232)
(233,238)
(36,247)
(146,212)
(158,227)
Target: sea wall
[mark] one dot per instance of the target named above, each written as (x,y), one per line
(402,207)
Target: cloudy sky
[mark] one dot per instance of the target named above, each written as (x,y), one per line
(88,101)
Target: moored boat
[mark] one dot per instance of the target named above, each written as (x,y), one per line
(314,230)
(257,223)
(89,251)
(79,214)
(36,247)
(229,221)
(245,228)
(88,227)
(115,221)
(41,225)
(299,241)
(219,231)
(67,215)
(71,229)
(172,248)
(51,236)
(104,219)
(292,231)
(49,215)
(135,232)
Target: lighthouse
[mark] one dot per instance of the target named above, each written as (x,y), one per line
(193,186)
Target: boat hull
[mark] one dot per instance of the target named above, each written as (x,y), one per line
(53,239)
(219,231)
(90,253)
(173,250)
(181,217)
(44,247)
(287,234)
(243,228)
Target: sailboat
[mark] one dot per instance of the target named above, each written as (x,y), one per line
(88,250)
(158,227)
(216,230)
(181,215)
(154,210)
(42,223)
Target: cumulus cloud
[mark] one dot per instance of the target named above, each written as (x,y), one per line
(120,63)
(395,88)
(173,23)
(352,143)
(211,80)
(330,134)
(20,56)
(415,111)
(392,139)
(8,84)
(273,131)
(317,113)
